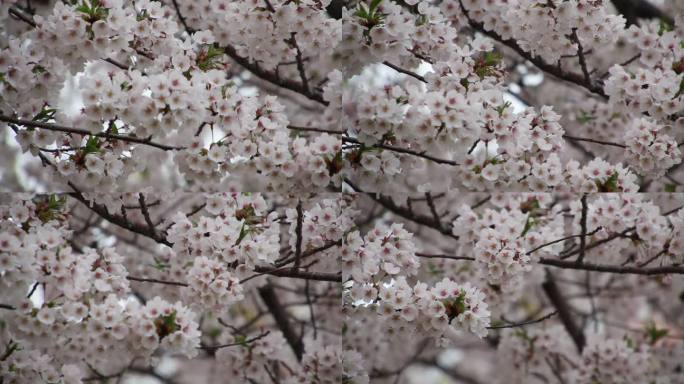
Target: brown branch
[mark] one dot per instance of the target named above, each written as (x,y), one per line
(313,129)
(298,234)
(405,71)
(403,150)
(300,64)
(524,323)
(146,214)
(118,220)
(404,212)
(79,131)
(580,56)
(240,343)
(189,30)
(156,281)
(442,256)
(564,312)
(618,269)
(299,274)
(279,314)
(602,142)
(583,229)
(433,210)
(284,261)
(254,68)
(560,240)
(16,12)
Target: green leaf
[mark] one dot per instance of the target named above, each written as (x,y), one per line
(361,12)
(432,269)
(214,332)
(166,324)
(243,232)
(529,223)
(585,117)
(454,305)
(629,341)
(38,69)
(374,5)
(500,109)
(92,145)
(492,58)
(159,265)
(610,185)
(112,128)
(671,188)
(654,333)
(240,340)
(83,8)
(681,87)
(664,26)
(126,86)
(45,114)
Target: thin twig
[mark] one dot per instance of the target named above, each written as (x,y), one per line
(313,129)
(404,150)
(299,236)
(433,209)
(146,213)
(583,229)
(580,56)
(561,240)
(595,141)
(240,343)
(524,323)
(405,71)
(300,64)
(156,281)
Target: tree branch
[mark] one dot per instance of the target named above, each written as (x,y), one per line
(298,234)
(240,343)
(119,220)
(79,131)
(279,314)
(556,71)
(524,323)
(551,289)
(602,142)
(405,213)
(583,226)
(403,150)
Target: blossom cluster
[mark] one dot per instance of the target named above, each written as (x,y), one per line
(614,360)
(388,251)
(649,151)
(239,230)
(549,29)
(210,285)
(442,311)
